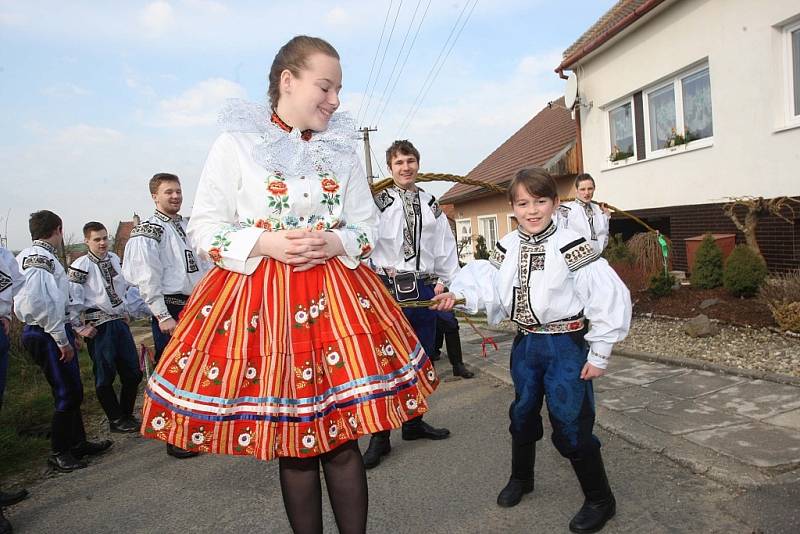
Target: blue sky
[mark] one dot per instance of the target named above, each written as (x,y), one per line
(96,97)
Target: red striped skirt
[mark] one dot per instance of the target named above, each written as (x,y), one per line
(280,363)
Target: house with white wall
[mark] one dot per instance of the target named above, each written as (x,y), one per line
(683,104)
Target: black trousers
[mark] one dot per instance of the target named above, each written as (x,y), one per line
(447,334)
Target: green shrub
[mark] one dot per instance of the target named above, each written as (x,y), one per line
(661,284)
(617,251)
(707,268)
(744,272)
(481,252)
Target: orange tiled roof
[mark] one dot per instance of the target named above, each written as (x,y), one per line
(535,144)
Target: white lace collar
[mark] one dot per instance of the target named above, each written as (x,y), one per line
(286,151)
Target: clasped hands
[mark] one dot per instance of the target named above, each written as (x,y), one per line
(303,249)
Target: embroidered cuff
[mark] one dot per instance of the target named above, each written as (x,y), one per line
(231,250)
(599,354)
(60,337)
(161,317)
(356,245)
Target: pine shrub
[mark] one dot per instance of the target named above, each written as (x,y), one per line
(661,284)
(617,251)
(745,272)
(481,252)
(707,268)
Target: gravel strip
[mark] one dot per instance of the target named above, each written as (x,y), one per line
(742,347)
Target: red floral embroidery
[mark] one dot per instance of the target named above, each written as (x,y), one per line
(214,254)
(277,187)
(329,185)
(263,223)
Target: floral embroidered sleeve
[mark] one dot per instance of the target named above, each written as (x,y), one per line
(213,228)
(359,216)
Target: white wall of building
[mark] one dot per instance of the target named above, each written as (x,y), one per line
(754,151)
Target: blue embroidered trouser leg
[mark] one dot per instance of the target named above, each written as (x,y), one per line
(65,384)
(547,367)
(113,351)
(160,339)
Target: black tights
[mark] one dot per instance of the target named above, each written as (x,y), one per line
(347,490)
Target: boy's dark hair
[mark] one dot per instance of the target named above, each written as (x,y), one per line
(293,56)
(159,179)
(582,178)
(536,181)
(92,226)
(43,224)
(401,146)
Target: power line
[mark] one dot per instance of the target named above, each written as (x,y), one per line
(396,61)
(382,163)
(383,58)
(424,91)
(375,57)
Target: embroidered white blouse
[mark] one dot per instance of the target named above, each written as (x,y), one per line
(432,247)
(260,178)
(11,281)
(545,278)
(98,283)
(44,298)
(586,219)
(160,260)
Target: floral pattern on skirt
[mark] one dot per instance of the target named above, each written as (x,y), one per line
(280,363)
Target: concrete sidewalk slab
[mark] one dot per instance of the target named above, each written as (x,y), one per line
(788,420)
(694,384)
(628,399)
(754,443)
(757,399)
(681,417)
(646,373)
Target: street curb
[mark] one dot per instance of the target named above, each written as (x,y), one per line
(710,366)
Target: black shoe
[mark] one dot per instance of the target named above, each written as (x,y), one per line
(12,497)
(5,526)
(91,448)
(436,356)
(423,430)
(64,462)
(461,370)
(379,445)
(123,425)
(180,454)
(513,492)
(599,505)
(132,420)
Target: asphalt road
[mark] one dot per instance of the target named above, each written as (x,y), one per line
(421,487)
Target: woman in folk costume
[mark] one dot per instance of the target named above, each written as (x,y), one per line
(290,347)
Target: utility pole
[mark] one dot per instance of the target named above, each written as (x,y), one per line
(366,130)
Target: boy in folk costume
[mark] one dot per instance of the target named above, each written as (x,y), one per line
(160,260)
(11,281)
(99,291)
(43,305)
(415,256)
(585,216)
(550,282)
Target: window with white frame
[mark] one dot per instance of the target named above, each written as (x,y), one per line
(487,227)
(620,125)
(679,111)
(792,36)
(512,222)
(464,239)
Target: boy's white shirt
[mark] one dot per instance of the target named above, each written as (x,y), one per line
(573,215)
(89,287)
(565,277)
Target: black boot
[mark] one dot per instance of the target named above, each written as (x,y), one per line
(461,370)
(12,497)
(90,448)
(64,462)
(418,429)
(180,454)
(599,505)
(379,445)
(523,457)
(5,526)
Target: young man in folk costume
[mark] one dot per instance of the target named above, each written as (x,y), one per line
(99,292)
(11,281)
(43,304)
(585,216)
(415,256)
(161,262)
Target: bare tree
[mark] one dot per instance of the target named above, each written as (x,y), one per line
(754,209)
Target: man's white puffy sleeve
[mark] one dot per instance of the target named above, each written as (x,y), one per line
(477,283)
(43,303)
(213,228)
(11,281)
(446,255)
(143,268)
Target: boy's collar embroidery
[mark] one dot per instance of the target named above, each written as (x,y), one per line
(45,245)
(541,236)
(161,216)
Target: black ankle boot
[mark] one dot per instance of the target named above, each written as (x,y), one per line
(599,505)
(523,457)
(379,445)
(5,526)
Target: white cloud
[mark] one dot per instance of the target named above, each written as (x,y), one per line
(207,6)
(337,16)
(198,105)
(12,19)
(65,90)
(156,17)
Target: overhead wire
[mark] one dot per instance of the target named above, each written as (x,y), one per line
(383,59)
(382,100)
(424,90)
(375,58)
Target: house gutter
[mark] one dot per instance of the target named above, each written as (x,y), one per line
(593,45)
